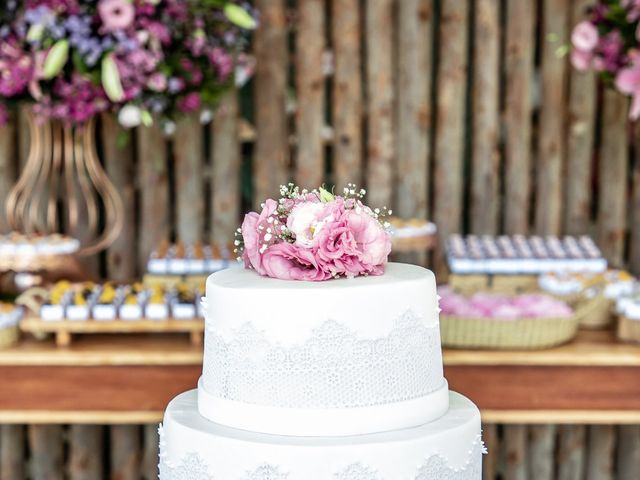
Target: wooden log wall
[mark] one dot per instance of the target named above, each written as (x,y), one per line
(462,111)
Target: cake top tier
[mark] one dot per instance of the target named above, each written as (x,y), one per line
(289,311)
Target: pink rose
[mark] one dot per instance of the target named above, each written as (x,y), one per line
(116,14)
(585,36)
(372,240)
(256,235)
(581,60)
(289,262)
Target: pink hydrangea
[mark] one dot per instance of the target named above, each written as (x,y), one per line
(312,236)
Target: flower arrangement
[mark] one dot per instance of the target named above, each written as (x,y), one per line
(315,235)
(77,58)
(608,42)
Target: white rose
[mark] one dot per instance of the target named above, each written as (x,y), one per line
(304,223)
(130,116)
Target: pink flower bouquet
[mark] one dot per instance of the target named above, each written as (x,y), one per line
(315,235)
(608,42)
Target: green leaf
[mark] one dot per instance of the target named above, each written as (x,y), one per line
(56,59)
(326,196)
(111,79)
(239,16)
(35,33)
(147,119)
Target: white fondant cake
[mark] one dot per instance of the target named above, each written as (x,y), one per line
(340,379)
(193,448)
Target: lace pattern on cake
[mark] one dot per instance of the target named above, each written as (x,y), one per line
(193,467)
(334,368)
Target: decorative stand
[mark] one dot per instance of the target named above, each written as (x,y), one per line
(64,329)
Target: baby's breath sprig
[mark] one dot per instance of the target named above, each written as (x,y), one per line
(238,244)
(351,192)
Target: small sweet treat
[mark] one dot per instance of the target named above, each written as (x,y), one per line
(178,262)
(81,302)
(618,283)
(216,261)
(157,307)
(53,309)
(10,315)
(197,260)
(183,304)
(158,263)
(562,283)
(15,243)
(132,301)
(105,307)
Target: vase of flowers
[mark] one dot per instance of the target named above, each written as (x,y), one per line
(608,42)
(143,60)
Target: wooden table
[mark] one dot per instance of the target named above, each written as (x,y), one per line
(130,379)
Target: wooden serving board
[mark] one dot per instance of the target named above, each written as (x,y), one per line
(65,329)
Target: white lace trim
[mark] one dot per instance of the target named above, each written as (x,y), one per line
(193,467)
(334,368)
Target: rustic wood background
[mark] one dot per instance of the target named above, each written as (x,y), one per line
(465,112)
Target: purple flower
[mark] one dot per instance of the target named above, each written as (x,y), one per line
(190,103)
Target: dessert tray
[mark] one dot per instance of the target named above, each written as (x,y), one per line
(34,253)
(87,308)
(518,255)
(413,234)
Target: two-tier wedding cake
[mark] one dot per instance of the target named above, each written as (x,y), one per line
(311,380)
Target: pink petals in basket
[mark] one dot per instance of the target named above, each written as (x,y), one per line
(502,307)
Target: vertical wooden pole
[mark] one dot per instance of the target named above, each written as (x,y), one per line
(154,192)
(600,459)
(515,440)
(271,159)
(120,168)
(380,94)
(150,451)
(551,148)
(580,131)
(85,452)
(571,452)
(310,46)
(46,446)
(519,50)
(541,461)
(492,442)
(486,115)
(450,121)
(347,92)
(613,170)
(8,172)
(225,153)
(413,123)
(188,156)
(12,452)
(628,463)
(125,452)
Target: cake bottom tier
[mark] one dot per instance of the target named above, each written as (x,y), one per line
(194,448)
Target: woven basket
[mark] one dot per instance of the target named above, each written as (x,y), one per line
(597,313)
(8,337)
(628,329)
(523,334)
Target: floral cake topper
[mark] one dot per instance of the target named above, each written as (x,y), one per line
(315,235)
